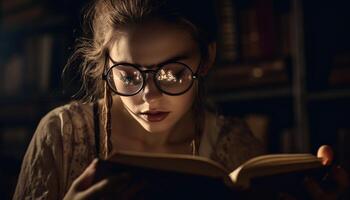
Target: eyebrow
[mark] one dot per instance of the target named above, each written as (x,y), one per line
(176,58)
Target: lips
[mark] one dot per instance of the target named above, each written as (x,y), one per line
(154,116)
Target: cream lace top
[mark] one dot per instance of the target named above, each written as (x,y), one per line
(64,145)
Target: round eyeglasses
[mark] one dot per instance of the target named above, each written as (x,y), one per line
(173,78)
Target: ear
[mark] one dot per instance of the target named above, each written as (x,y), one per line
(209,61)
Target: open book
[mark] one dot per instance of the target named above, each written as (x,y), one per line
(266,172)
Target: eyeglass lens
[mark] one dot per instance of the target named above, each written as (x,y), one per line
(172,78)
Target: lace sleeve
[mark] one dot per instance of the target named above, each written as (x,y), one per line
(40,175)
(236,144)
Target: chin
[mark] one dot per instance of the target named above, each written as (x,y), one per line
(156,128)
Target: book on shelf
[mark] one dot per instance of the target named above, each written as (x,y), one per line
(23,17)
(36,66)
(12,5)
(45,61)
(31,49)
(231,76)
(340,76)
(178,174)
(258,29)
(283,27)
(266,24)
(287,140)
(45,55)
(340,70)
(290,141)
(228,34)
(12,77)
(38,54)
(249,34)
(262,29)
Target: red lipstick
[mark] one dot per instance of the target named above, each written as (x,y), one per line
(154,116)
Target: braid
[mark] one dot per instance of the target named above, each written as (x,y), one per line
(108,101)
(199,114)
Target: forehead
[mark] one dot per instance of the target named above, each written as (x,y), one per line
(152,43)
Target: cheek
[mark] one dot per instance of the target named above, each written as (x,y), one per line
(185,101)
(130,102)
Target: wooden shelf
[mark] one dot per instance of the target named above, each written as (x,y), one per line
(48,24)
(253,94)
(333,94)
(19,113)
(31,99)
(256,94)
(26,110)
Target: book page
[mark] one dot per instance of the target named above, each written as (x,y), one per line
(273,164)
(171,162)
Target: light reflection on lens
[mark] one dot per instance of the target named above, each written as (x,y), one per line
(172,78)
(166,76)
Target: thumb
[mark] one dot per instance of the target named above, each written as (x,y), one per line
(325,152)
(86,178)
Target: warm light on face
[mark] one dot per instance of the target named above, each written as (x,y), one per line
(148,45)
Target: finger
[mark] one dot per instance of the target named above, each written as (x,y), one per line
(313,188)
(86,178)
(95,191)
(326,153)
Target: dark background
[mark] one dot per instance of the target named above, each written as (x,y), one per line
(295,114)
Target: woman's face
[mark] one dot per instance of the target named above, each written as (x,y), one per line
(147,45)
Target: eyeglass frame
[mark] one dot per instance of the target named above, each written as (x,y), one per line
(107,70)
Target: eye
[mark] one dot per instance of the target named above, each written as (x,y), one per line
(130,79)
(127,76)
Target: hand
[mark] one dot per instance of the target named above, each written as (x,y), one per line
(84,188)
(338,175)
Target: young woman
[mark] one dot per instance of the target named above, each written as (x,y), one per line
(143,66)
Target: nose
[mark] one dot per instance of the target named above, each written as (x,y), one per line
(150,91)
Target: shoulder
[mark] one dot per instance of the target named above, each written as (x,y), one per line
(235,142)
(58,152)
(71,110)
(72,113)
(64,120)
(70,130)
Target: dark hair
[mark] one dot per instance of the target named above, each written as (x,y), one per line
(103,17)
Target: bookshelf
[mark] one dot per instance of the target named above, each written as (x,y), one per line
(311,106)
(251,94)
(36,38)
